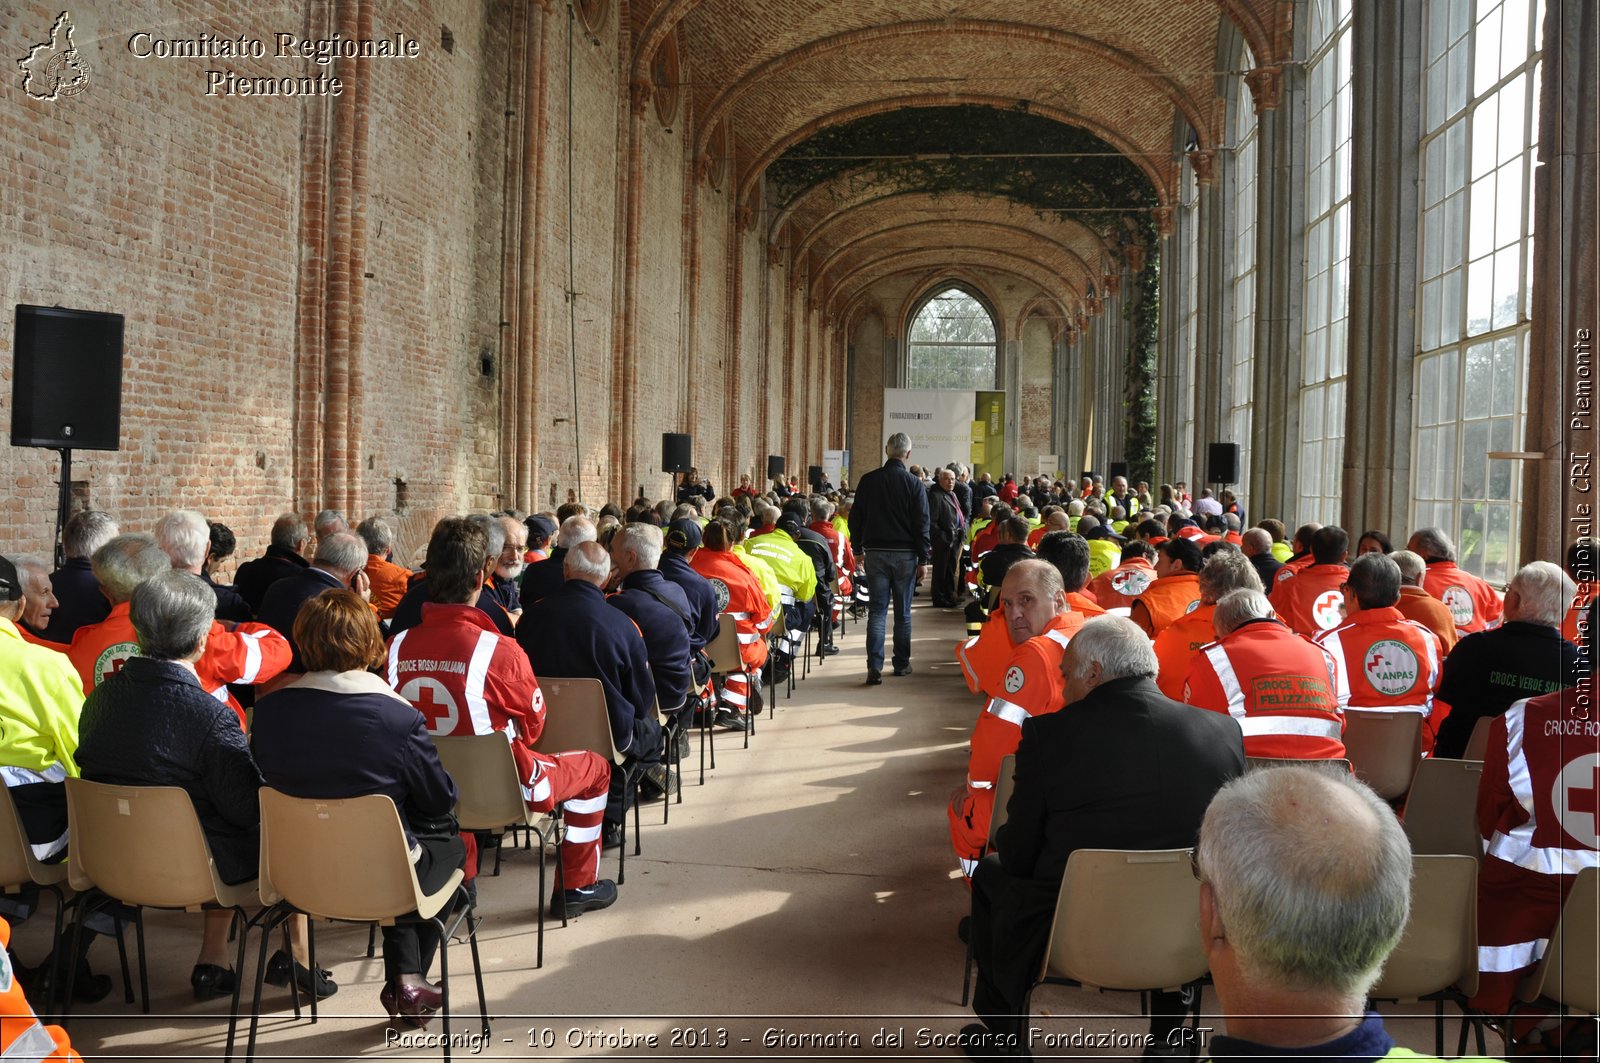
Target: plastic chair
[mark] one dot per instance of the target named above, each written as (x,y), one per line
(725,660)
(1126,920)
(489,798)
(1330,767)
(1478,740)
(1441,813)
(1384,748)
(1568,975)
(576,718)
(348,859)
(19,869)
(143,846)
(1004,783)
(1437,958)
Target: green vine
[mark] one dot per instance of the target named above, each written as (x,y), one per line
(1142,309)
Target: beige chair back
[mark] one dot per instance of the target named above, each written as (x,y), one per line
(488,792)
(724,649)
(1478,741)
(343,858)
(1339,767)
(18,866)
(1439,948)
(1004,783)
(1384,748)
(143,845)
(1569,973)
(1442,811)
(1127,920)
(576,718)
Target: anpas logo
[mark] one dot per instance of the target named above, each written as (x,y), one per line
(1328,609)
(1391,667)
(55,68)
(1130,582)
(1459,601)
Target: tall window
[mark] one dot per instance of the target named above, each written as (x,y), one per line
(951,343)
(1188,331)
(1322,396)
(1480,125)
(1244,266)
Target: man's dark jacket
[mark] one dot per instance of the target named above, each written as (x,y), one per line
(891,511)
(1489,670)
(254,577)
(81,602)
(284,599)
(544,578)
(702,598)
(666,632)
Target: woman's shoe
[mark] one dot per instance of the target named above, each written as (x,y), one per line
(278,967)
(410,1005)
(210,981)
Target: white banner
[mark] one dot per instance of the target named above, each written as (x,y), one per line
(939,423)
(835,464)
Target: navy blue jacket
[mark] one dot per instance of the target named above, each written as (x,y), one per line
(284,599)
(665,629)
(408,613)
(702,599)
(230,603)
(82,603)
(891,511)
(254,577)
(543,578)
(573,633)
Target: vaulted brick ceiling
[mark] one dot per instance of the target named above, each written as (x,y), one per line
(762,79)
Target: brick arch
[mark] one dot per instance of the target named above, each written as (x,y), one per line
(941,280)
(1028,235)
(1048,309)
(1031,270)
(662,22)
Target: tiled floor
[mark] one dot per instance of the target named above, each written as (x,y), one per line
(802,904)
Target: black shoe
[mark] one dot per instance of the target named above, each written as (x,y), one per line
(731,720)
(827,651)
(87,988)
(964,929)
(657,782)
(874,678)
(210,981)
(902,669)
(280,964)
(611,836)
(568,903)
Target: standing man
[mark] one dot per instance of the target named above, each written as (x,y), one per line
(946,525)
(889,524)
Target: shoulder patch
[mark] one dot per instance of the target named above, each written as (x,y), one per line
(1014,679)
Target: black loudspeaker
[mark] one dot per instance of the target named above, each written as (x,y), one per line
(774,465)
(814,477)
(66,387)
(1222,463)
(674,452)
(1118,468)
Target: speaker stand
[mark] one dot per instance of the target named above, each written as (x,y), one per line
(63,503)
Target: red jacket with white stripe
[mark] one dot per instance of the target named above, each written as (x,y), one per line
(250,653)
(1031,685)
(1312,602)
(739,594)
(1286,693)
(1392,664)
(1473,604)
(1539,814)
(468,679)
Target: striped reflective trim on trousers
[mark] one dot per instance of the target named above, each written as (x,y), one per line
(1502,959)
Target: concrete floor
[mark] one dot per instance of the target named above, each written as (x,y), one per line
(805,895)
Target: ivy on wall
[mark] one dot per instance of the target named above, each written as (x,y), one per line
(1056,169)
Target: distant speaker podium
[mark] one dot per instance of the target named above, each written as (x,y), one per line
(674,452)
(774,465)
(66,387)
(1222,463)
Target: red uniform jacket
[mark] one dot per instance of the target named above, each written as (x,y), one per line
(1473,604)
(1311,602)
(1167,599)
(1392,664)
(1285,691)
(739,594)
(1124,583)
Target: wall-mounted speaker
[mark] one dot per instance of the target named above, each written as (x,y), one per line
(674,452)
(66,387)
(774,465)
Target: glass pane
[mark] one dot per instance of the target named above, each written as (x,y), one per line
(1507,286)
(1432,238)
(1514,44)
(1475,392)
(1508,207)
(1450,306)
(1513,119)
(1474,459)
(1497,548)
(1444,484)
(1449,382)
(1505,376)
(1430,314)
(1455,156)
(1427,392)
(1456,78)
(1338,354)
(1455,213)
(1487,68)
(1480,294)
(1480,220)
(1500,470)
(1427,457)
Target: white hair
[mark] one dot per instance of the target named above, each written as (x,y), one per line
(575,530)
(185,537)
(1434,543)
(587,561)
(1240,607)
(898,446)
(1544,592)
(643,541)
(330,521)
(1117,644)
(1411,567)
(87,531)
(341,554)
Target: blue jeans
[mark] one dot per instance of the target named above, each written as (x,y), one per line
(890,573)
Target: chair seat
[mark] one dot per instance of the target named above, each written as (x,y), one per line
(237,896)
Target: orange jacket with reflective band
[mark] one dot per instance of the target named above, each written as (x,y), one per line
(1084,606)
(1289,570)
(1391,664)
(1417,604)
(738,592)
(1473,604)
(1124,583)
(1311,602)
(1283,690)
(250,653)
(1176,646)
(22,1035)
(1166,600)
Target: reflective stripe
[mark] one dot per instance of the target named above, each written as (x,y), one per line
(746,640)
(1424,708)
(1501,959)
(786,596)
(27,776)
(477,676)
(394,658)
(968,866)
(540,793)
(740,616)
(1007,711)
(582,835)
(34,1043)
(1333,645)
(585,805)
(252,655)
(966,665)
(1338,679)
(1060,638)
(976,785)
(1307,726)
(45,850)
(1518,848)
(1225,675)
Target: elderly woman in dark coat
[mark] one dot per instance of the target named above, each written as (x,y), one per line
(152,724)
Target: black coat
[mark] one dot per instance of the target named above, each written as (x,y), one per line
(1489,670)
(151,724)
(891,511)
(81,602)
(543,578)
(944,516)
(254,577)
(284,599)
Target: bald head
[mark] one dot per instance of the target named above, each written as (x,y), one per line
(588,562)
(1255,541)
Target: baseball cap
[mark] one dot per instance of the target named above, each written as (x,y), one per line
(10,585)
(683,535)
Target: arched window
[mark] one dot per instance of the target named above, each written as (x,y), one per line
(952,343)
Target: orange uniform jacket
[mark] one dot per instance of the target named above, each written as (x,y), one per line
(250,653)
(22,1035)
(1289,570)
(1284,691)
(1084,606)
(1392,664)
(389,583)
(1124,583)
(740,595)
(1176,646)
(1417,604)
(984,656)
(1311,602)
(1031,685)
(1167,599)
(1473,604)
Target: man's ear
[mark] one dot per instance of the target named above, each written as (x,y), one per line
(1212,932)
